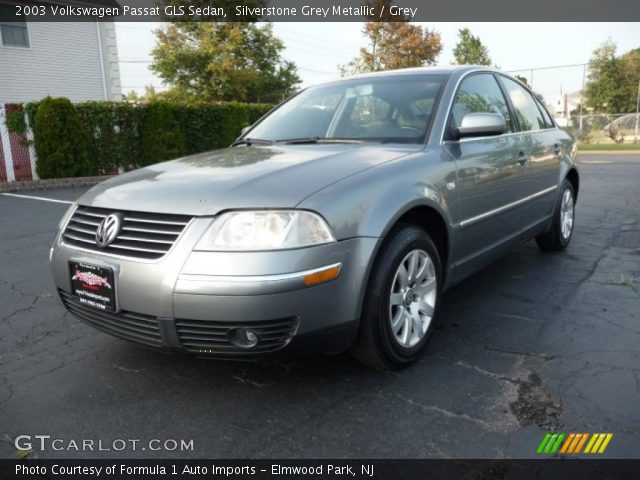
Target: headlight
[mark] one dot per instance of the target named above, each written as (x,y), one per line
(266,230)
(67,215)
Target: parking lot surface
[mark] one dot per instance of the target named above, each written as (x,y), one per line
(537,342)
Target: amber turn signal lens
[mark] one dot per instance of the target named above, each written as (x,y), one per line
(322,276)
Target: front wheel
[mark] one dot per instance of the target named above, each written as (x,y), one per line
(402,300)
(559,236)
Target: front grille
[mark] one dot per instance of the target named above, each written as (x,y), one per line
(143,235)
(128,325)
(207,337)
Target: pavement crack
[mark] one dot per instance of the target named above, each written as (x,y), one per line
(543,355)
(447,413)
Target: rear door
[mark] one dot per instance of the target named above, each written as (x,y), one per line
(489,177)
(539,143)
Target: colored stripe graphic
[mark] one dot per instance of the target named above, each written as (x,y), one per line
(543,443)
(590,444)
(572,443)
(565,447)
(550,443)
(581,443)
(605,443)
(556,445)
(598,443)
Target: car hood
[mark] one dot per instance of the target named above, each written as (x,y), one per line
(239,177)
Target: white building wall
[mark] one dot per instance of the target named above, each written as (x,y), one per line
(110,60)
(62,61)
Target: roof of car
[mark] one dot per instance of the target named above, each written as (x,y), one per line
(442,70)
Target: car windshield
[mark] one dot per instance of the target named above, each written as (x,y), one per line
(394,108)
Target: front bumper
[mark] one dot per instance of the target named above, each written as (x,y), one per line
(191,301)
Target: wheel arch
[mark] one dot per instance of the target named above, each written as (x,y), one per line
(422,214)
(574,178)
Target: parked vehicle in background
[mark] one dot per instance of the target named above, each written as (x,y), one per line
(334,223)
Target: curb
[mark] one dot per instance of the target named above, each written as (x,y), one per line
(26,185)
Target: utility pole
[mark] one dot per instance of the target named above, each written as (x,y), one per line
(584,73)
(635,138)
(531,78)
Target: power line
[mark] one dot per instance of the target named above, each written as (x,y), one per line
(547,68)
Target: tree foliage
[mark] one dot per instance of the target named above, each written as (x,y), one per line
(218,61)
(394,43)
(470,50)
(612,85)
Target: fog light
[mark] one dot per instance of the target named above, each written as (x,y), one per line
(243,337)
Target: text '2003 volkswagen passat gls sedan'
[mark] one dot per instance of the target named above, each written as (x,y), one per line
(334,223)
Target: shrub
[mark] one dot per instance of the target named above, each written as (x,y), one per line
(61,140)
(120,134)
(161,136)
(114,130)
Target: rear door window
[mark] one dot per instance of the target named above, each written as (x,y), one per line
(527,113)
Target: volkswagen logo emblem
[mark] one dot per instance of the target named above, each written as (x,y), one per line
(108,230)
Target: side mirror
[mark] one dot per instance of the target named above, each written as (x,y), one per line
(245,130)
(481,125)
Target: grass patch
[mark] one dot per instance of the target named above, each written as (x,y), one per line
(595,147)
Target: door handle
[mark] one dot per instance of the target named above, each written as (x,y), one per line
(522,159)
(556,150)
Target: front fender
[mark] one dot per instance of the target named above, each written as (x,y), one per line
(369,204)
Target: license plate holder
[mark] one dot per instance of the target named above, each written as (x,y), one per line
(93,285)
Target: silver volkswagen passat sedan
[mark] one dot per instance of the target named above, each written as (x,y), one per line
(334,223)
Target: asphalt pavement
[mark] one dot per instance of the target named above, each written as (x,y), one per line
(536,342)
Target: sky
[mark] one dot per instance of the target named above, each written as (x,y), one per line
(319,48)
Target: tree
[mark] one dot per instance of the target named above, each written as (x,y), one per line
(217,61)
(522,78)
(394,43)
(469,50)
(612,84)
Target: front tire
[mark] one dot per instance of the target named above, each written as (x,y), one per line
(559,236)
(401,302)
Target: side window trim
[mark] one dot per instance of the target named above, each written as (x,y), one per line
(449,118)
(515,125)
(545,113)
(516,121)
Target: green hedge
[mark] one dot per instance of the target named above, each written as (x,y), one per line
(94,138)
(62,143)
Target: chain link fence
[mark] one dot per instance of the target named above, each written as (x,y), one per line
(560,88)
(604,129)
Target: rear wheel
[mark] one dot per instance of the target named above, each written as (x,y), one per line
(401,302)
(559,236)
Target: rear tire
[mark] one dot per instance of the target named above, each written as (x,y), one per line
(559,236)
(401,302)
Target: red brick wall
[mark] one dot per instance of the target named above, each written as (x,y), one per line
(19,151)
(3,170)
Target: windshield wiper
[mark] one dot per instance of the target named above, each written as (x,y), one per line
(251,141)
(323,140)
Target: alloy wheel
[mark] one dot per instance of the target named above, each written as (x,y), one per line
(566,214)
(413,297)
